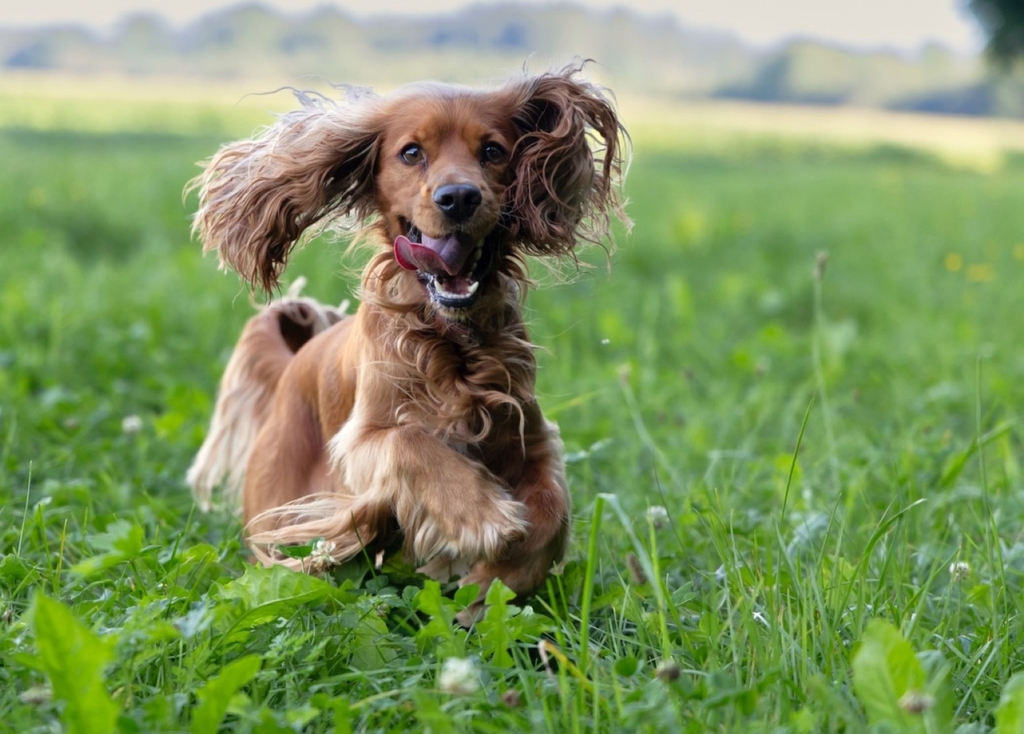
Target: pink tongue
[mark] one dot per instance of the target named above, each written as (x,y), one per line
(446,255)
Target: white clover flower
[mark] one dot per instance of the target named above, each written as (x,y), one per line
(131,424)
(657,516)
(668,671)
(322,556)
(459,676)
(960,571)
(36,695)
(916,702)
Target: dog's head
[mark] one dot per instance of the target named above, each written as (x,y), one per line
(457,181)
(442,172)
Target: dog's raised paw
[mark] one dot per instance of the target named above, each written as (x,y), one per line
(483,532)
(491,532)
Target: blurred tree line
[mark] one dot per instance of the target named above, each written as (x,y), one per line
(1003,22)
(638,53)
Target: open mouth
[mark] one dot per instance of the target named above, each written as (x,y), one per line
(450,267)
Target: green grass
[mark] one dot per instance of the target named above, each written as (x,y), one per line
(790,590)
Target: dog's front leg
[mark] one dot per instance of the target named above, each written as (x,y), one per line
(526,563)
(447,505)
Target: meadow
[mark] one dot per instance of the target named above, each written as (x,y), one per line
(791,415)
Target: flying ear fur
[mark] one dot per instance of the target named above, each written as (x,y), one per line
(568,163)
(258,196)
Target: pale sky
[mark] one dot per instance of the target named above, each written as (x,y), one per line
(900,24)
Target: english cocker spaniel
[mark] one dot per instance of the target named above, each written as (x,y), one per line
(414,420)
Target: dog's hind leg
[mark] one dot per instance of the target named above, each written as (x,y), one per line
(288,461)
(265,348)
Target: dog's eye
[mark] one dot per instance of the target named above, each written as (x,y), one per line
(493,153)
(412,154)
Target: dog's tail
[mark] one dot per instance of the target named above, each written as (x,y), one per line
(268,343)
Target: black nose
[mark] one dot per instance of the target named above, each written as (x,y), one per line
(457,201)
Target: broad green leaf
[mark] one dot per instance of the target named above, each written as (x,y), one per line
(74,658)
(259,586)
(438,632)
(299,551)
(899,688)
(194,622)
(627,666)
(186,560)
(215,696)
(14,570)
(1010,712)
(367,652)
(466,595)
(885,672)
(194,569)
(938,717)
(496,637)
(121,542)
(264,594)
(503,625)
(433,604)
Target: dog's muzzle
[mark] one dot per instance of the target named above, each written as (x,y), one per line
(450,267)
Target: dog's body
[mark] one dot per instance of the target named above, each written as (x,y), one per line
(414,418)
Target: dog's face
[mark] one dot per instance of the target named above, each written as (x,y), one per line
(461,184)
(444,165)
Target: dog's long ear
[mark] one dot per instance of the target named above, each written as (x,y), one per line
(568,163)
(257,197)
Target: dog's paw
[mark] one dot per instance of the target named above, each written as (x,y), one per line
(492,528)
(470,531)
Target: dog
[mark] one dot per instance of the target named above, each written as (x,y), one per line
(413,421)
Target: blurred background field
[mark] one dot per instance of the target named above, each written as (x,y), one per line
(227,108)
(842,280)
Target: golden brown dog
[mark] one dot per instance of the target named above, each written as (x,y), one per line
(414,419)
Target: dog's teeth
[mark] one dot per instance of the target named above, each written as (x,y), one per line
(470,290)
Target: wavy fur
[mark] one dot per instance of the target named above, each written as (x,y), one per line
(415,421)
